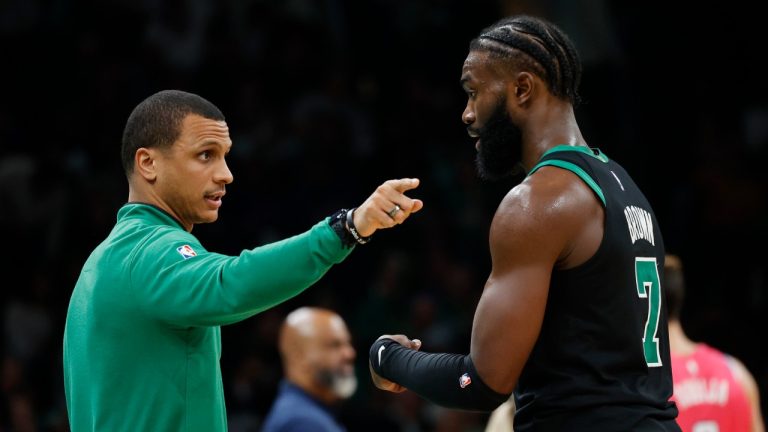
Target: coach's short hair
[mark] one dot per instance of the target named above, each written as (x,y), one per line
(156,121)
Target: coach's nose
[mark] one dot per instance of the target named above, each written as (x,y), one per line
(223,174)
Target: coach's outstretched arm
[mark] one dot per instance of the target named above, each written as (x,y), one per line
(216,289)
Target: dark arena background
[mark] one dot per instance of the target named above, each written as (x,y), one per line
(324,101)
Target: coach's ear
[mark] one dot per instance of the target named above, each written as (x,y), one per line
(144,164)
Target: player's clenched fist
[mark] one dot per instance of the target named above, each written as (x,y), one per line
(387,206)
(376,358)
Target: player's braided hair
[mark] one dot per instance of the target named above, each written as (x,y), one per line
(539,46)
(156,121)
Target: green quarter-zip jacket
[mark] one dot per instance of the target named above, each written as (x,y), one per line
(142,341)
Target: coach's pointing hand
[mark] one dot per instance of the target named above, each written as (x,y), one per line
(387,206)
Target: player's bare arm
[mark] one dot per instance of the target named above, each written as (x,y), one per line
(550,220)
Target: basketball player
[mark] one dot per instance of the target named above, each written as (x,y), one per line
(714,392)
(571,317)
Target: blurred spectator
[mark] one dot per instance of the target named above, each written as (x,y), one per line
(318,363)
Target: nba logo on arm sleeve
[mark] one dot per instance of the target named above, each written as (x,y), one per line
(186,251)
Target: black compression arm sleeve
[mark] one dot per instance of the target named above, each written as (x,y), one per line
(449,380)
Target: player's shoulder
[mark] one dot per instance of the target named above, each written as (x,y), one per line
(737,368)
(549,196)
(553,183)
(741,373)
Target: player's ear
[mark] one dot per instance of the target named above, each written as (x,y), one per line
(524,85)
(145,163)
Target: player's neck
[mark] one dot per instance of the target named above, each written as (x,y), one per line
(554,123)
(679,343)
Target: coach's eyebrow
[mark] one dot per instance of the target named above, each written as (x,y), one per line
(219,143)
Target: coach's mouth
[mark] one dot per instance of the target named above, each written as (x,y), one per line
(214,199)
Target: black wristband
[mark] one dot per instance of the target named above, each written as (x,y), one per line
(449,380)
(338,222)
(350,226)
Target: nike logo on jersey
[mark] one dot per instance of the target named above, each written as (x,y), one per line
(381,348)
(640,224)
(617,179)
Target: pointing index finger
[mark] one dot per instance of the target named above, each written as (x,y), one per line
(405,184)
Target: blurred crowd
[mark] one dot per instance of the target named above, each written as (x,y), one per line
(325,99)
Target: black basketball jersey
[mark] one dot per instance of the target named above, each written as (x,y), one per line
(601,362)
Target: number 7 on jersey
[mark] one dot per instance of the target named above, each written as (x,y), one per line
(648,286)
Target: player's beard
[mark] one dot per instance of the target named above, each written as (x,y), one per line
(501,145)
(342,384)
